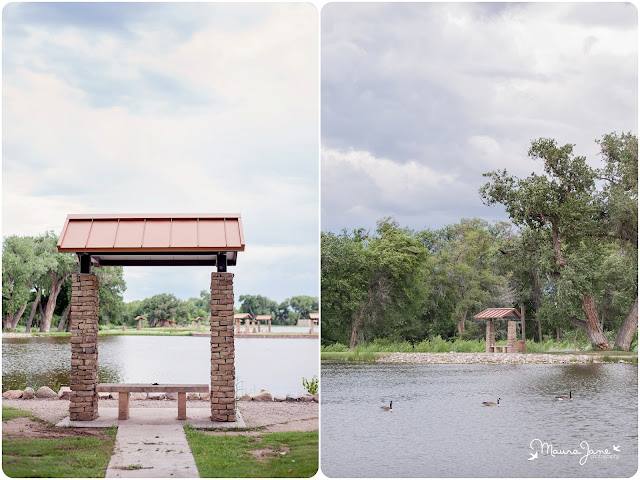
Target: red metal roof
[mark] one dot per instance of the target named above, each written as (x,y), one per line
(494,313)
(241,316)
(153,239)
(314,316)
(263,317)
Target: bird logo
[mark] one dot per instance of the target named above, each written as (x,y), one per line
(616,448)
(533,456)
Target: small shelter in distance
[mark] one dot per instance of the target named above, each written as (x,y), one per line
(493,314)
(151,240)
(264,318)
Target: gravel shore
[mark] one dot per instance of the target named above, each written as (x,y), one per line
(275,416)
(497,358)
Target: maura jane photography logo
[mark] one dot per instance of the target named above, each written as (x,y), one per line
(584,452)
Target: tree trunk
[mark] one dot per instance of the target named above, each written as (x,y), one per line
(56,285)
(461,322)
(558,334)
(536,293)
(354,328)
(64,318)
(522,323)
(36,302)
(7,321)
(628,328)
(592,324)
(18,316)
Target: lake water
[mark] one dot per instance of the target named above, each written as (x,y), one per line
(275,365)
(439,427)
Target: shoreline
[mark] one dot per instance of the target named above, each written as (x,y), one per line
(19,335)
(507,358)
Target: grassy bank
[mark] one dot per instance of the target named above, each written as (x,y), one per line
(285,454)
(369,352)
(76,457)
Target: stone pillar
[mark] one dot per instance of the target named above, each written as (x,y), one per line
(491,334)
(269,325)
(258,325)
(247,327)
(198,324)
(84,347)
(223,374)
(512,337)
(139,325)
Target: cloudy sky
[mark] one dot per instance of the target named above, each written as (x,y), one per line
(418,100)
(127,108)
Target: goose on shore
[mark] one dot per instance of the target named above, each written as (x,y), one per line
(388,409)
(492,404)
(564,398)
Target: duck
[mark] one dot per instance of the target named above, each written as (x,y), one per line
(492,404)
(564,398)
(387,409)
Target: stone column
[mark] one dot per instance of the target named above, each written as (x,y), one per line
(223,374)
(491,334)
(258,325)
(139,325)
(84,347)
(247,327)
(269,325)
(511,337)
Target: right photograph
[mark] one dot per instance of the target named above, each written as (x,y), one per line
(479,244)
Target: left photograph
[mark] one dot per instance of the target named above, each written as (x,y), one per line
(160,227)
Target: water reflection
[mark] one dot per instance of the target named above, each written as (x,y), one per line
(439,427)
(276,365)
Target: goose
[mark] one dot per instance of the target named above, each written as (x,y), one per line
(388,409)
(564,398)
(492,404)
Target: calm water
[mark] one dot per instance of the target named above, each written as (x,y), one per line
(276,365)
(439,427)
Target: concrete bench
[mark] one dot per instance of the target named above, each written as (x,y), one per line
(124,390)
(496,348)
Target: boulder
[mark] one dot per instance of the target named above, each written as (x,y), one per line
(138,396)
(28,393)
(279,398)
(262,397)
(103,395)
(193,396)
(306,398)
(171,395)
(316,398)
(65,393)
(46,392)
(12,394)
(245,398)
(292,398)
(205,396)
(156,396)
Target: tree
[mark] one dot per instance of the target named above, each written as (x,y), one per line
(564,203)
(20,266)
(303,305)
(58,267)
(162,306)
(111,285)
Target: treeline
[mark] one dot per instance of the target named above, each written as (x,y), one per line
(568,259)
(36,292)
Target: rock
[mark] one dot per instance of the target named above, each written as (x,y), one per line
(245,398)
(171,395)
(46,392)
(205,396)
(279,398)
(12,394)
(156,396)
(306,398)
(65,393)
(28,393)
(103,395)
(138,396)
(316,398)
(262,397)
(291,398)
(193,396)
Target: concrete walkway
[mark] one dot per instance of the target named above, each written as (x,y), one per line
(152,451)
(152,442)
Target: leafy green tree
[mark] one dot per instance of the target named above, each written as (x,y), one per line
(162,306)
(303,305)
(111,285)
(565,204)
(257,305)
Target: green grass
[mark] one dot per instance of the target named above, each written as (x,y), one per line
(230,456)
(84,457)
(9,413)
